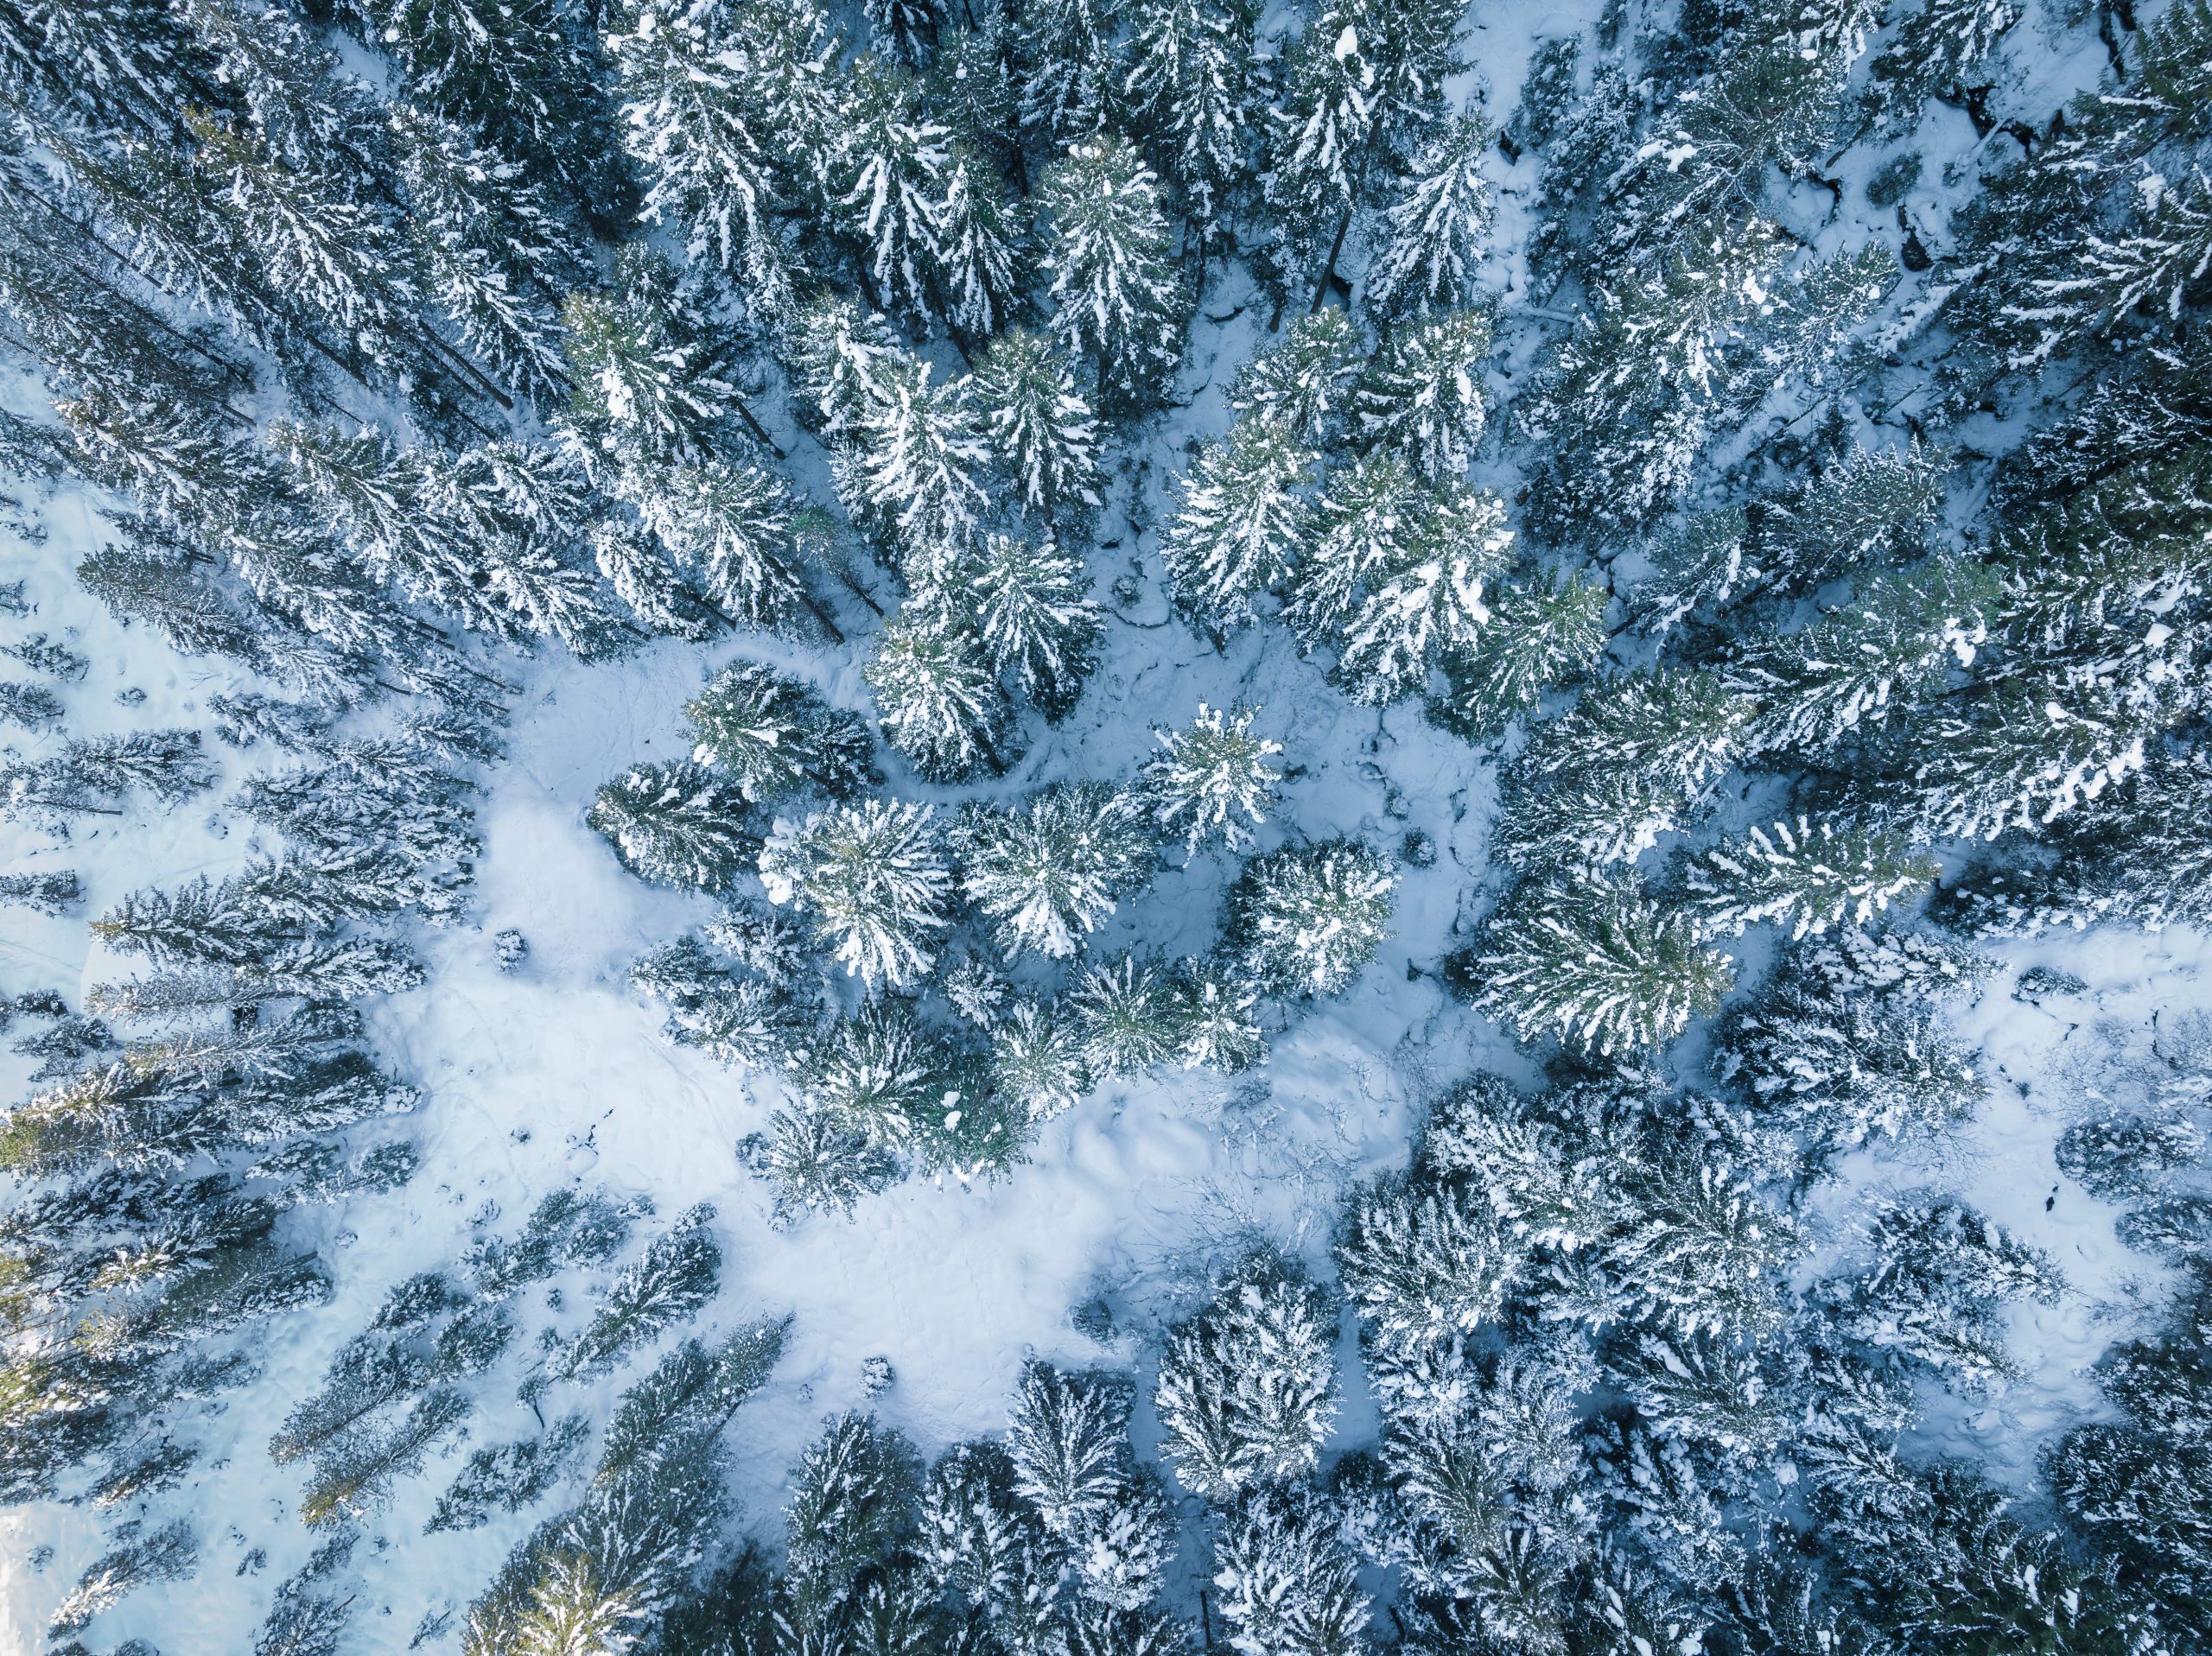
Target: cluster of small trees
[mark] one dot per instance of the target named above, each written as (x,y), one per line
(946,1066)
(1609,1422)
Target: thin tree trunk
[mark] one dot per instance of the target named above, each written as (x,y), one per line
(822,614)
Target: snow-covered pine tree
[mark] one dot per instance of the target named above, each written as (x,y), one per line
(641,383)
(1117,296)
(1247,1391)
(494,258)
(1395,576)
(1287,1577)
(1035,1061)
(1847,1064)
(2023,752)
(904,29)
(1047,871)
(936,694)
(1810,876)
(1597,962)
(1622,410)
(1876,662)
(892,160)
(879,1071)
(1032,610)
(1213,777)
(872,878)
(976,267)
(1323,138)
(1306,919)
(1870,512)
(774,735)
(1126,1013)
(1065,68)
(736,526)
(1430,239)
(691,87)
(1190,66)
(337,262)
(1067,1435)
(1423,396)
(1541,634)
(841,356)
(816,1163)
(912,470)
(1306,383)
(1938,45)
(1932,1289)
(679,823)
(1218,1028)
(1240,525)
(1038,421)
(1424,1264)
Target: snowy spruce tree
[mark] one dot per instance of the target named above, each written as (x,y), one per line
(871,880)
(1306,919)
(1116,295)
(1240,524)
(1212,778)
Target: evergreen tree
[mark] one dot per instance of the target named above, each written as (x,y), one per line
(1539,635)
(1422,396)
(775,736)
(1307,382)
(1034,617)
(1938,1274)
(1048,871)
(494,258)
(1395,575)
(1306,919)
(1218,1028)
(738,528)
(694,90)
(879,1072)
(1875,661)
(1036,1061)
(1109,252)
(1623,410)
(894,161)
(817,1163)
(1872,509)
(1431,237)
(872,878)
(904,29)
(1812,879)
(1239,526)
(1248,1388)
(841,359)
(1211,776)
(641,382)
(1065,58)
(937,697)
(1125,1014)
(978,274)
(1039,425)
(1850,1068)
(1287,1579)
(678,823)
(913,472)
(1598,964)
(1423,1265)
(1186,89)
(677,1274)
